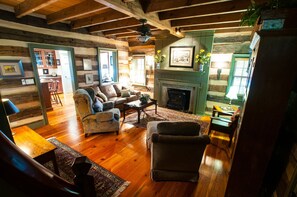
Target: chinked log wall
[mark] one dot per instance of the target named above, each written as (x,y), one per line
(14,39)
(224,44)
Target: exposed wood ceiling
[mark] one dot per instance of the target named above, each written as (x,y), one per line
(120,18)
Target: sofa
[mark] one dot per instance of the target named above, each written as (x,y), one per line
(96,117)
(176,149)
(116,93)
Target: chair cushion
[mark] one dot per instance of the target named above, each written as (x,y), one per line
(178,128)
(108,90)
(118,100)
(117,87)
(97,105)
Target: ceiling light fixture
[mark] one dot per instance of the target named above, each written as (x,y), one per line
(143,38)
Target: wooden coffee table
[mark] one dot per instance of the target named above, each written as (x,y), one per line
(136,105)
(35,146)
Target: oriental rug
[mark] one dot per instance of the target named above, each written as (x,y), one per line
(164,114)
(106,183)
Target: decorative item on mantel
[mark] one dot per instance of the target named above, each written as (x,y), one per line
(202,59)
(159,59)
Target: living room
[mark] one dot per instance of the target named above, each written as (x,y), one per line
(125,154)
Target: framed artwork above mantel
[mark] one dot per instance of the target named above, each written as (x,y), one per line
(181,56)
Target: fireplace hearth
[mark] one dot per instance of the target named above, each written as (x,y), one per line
(178,99)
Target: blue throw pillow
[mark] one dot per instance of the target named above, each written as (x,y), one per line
(97,105)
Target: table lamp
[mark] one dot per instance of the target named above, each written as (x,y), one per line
(232,93)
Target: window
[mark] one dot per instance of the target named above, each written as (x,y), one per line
(239,74)
(137,70)
(108,71)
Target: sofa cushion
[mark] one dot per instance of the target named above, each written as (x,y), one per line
(117,87)
(97,105)
(178,128)
(108,90)
(125,93)
(118,100)
(100,99)
(132,98)
(102,96)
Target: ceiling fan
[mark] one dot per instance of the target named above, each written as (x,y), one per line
(144,30)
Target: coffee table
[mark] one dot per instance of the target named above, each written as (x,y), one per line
(136,105)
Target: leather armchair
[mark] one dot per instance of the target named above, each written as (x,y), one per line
(176,152)
(95,122)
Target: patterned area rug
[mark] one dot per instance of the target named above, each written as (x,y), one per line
(106,183)
(165,115)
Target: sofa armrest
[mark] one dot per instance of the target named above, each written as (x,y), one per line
(108,105)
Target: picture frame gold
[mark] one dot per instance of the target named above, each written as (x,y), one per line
(11,69)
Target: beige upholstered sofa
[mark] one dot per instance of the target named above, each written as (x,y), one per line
(176,150)
(108,120)
(116,93)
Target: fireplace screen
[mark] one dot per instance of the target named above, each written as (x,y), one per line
(178,99)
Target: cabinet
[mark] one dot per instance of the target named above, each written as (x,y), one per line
(274,72)
(45,58)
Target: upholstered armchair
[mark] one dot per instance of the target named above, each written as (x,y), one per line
(95,122)
(176,150)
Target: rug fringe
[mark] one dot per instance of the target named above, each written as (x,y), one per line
(121,189)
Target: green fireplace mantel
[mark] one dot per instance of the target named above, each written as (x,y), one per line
(198,81)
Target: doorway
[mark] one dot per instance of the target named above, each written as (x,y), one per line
(55,75)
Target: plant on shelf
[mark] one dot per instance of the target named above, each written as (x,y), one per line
(202,58)
(144,98)
(159,58)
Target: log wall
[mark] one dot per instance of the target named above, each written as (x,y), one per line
(14,40)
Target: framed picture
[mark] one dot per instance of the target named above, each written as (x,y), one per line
(89,78)
(11,68)
(181,56)
(58,62)
(87,63)
(45,71)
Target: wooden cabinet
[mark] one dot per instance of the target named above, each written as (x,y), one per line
(45,58)
(273,76)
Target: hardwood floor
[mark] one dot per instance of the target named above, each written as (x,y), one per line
(126,155)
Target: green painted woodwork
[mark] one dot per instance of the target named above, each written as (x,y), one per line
(201,40)
(36,75)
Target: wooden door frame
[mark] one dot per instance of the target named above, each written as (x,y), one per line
(36,75)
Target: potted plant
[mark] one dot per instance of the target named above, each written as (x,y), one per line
(159,58)
(202,59)
(144,98)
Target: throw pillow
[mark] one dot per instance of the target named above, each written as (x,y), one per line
(100,99)
(178,128)
(108,90)
(125,93)
(97,105)
(101,95)
(118,88)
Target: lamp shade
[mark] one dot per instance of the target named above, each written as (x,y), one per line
(9,107)
(232,94)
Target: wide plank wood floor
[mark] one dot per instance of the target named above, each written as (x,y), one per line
(126,155)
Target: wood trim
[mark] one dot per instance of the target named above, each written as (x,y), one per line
(125,23)
(211,27)
(29,6)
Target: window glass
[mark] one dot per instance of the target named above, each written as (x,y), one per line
(137,70)
(108,71)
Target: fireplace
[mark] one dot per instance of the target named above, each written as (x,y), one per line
(178,99)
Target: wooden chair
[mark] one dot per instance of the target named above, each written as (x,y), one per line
(224,125)
(53,89)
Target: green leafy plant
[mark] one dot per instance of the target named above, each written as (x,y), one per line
(203,57)
(159,58)
(144,98)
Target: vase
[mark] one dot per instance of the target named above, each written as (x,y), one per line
(157,65)
(201,67)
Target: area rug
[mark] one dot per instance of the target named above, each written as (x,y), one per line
(106,183)
(164,114)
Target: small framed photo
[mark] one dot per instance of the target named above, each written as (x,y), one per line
(181,56)
(87,63)
(89,78)
(45,71)
(11,68)
(58,62)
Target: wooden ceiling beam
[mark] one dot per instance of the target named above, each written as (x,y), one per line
(220,18)
(123,31)
(211,27)
(208,10)
(134,10)
(83,8)
(107,15)
(127,23)
(234,30)
(30,6)
(165,5)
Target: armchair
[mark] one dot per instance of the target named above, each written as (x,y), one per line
(176,152)
(95,122)
(224,125)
